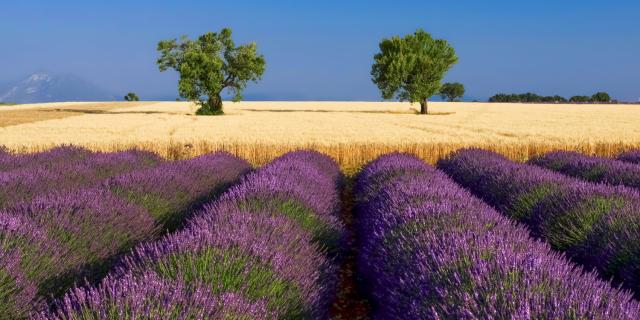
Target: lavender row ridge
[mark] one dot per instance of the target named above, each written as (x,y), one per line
(596,225)
(430,250)
(56,239)
(589,168)
(250,244)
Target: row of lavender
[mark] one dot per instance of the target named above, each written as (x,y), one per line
(624,170)
(265,249)
(67,214)
(430,250)
(597,225)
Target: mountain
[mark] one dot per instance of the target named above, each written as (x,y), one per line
(45,87)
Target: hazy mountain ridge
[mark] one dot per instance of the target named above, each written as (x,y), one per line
(46,87)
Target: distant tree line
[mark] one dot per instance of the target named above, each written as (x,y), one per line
(599,97)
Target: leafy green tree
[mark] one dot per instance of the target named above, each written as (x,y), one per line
(131,97)
(601,97)
(412,67)
(209,65)
(452,91)
(579,99)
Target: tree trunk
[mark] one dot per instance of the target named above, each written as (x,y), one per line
(213,106)
(423,106)
(215,103)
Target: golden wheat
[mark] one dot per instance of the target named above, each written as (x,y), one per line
(351,132)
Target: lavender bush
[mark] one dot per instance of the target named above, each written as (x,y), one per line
(594,169)
(173,190)
(154,298)
(262,257)
(303,186)
(630,156)
(262,254)
(90,226)
(65,169)
(430,250)
(27,257)
(596,225)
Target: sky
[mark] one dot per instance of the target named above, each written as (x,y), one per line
(323,50)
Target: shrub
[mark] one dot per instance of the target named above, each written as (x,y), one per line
(152,297)
(594,169)
(131,97)
(173,190)
(593,224)
(429,250)
(630,156)
(580,99)
(66,168)
(259,253)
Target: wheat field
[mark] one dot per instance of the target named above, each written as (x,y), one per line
(351,132)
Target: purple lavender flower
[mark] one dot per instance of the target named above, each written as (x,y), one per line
(269,259)
(18,293)
(152,297)
(630,156)
(172,191)
(430,250)
(296,188)
(27,259)
(253,253)
(594,169)
(594,224)
(65,169)
(92,225)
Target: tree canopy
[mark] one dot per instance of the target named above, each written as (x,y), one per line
(131,96)
(601,97)
(412,67)
(209,65)
(452,91)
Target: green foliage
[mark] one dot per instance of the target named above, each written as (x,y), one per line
(131,96)
(452,91)
(295,210)
(580,99)
(209,65)
(412,67)
(231,270)
(534,98)
(523,204)
(601,97)
(526,98)
(573,228)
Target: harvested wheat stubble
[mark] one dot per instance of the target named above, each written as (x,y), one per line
(20,114)
(596,225)
(430,250)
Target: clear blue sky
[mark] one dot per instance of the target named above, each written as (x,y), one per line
(323,49)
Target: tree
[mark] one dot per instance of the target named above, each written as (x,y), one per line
(131,97)
(412,67)
(209,65)
(452,91)
(579,99)
(601,97)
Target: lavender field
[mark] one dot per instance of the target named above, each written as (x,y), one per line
(129,235)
